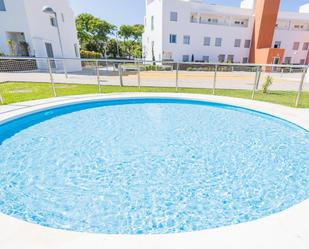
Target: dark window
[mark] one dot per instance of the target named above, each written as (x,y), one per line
(296,45)
(53,21)
(186,39)
(173,38)
(2,5)
(277,44)
(247,43)
(206,58)
(173,16)
(207,41)
(245,60)
(218,42)
(287,60)
(221,58)
(185,58)
(230,58)
(237,43)
(306,46)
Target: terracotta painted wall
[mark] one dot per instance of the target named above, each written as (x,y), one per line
(266,13)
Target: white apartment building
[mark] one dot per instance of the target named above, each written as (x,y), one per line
(191,30)
(34,33)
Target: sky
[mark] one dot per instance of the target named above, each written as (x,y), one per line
(120,12)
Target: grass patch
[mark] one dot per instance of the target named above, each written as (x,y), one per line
(13,92)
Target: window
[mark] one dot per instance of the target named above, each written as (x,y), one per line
(306,46)
(277,44)
(302,62)
(207,41)
(296,46)
(206,58)
(247,43)
(53,21)
(76,50)
(218,42)
(230,58)
(237,43)
(173,16)
(245,60)
(173,38)
(152,22)
(221,58)
(287,60)
(185,58)
(2,5)
(186,39)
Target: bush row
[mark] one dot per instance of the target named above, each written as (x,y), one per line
(90,54)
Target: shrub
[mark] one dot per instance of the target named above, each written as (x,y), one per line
(90,54)
(268,82)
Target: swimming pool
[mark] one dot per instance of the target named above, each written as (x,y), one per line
(150,166)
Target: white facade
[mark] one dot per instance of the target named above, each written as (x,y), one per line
(23,21)
(216,33)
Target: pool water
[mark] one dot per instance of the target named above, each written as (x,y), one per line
(150,166)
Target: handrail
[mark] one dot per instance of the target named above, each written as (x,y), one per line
(159,62)
(175,67)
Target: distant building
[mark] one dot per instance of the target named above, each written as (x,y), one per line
(34,33)
(191,30)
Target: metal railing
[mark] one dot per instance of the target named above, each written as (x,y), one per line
(142,73)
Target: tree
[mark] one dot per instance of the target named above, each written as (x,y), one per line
(93,33)
(114,48)
(131,32)
(132,39)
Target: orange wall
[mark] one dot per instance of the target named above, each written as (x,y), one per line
(266,13)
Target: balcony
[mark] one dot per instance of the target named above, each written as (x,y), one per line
(202,18)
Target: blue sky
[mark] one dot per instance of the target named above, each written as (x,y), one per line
(132,11)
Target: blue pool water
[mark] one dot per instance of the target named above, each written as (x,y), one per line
(150,166)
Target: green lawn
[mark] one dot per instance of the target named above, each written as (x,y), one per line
(13,92)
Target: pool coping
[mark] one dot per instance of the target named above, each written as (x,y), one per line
(284,230)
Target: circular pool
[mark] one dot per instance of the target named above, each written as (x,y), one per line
(150,166)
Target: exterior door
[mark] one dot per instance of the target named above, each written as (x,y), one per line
(276,60)
(50,53)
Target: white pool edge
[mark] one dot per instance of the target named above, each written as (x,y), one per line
(286,230)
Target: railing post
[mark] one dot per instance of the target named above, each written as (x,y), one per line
(51,77)
(215,80)
(177,76)
(120,74)
(98,75)
(301,85)
(138,75)
(256,81)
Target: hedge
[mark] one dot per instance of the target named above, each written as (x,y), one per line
(90,54)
